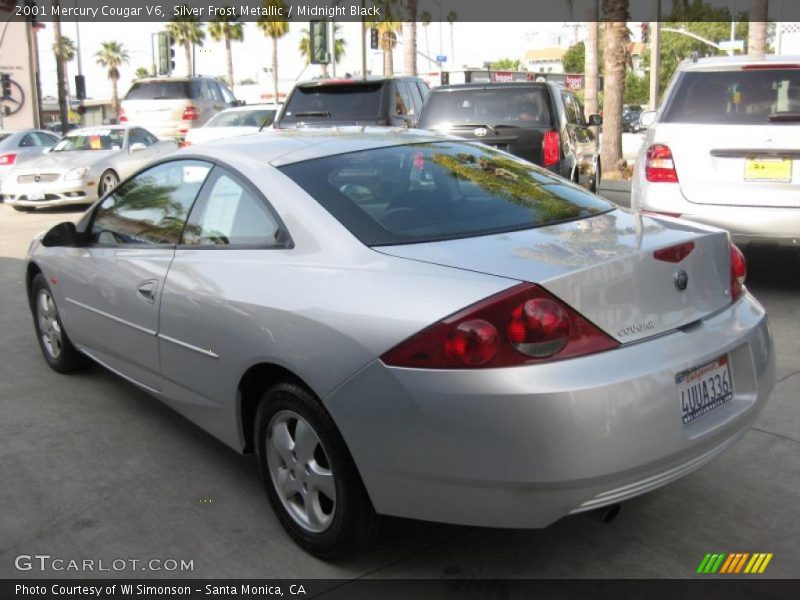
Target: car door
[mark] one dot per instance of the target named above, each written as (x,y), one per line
(111,283)
(137,157)
(211,300)
(581,141)
(34,143)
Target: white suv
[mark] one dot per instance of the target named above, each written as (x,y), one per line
(724,148)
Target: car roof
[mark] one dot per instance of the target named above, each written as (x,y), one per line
(356,80)
(102,127)
(722,63)
(489,85)
(286,146)
(251,107)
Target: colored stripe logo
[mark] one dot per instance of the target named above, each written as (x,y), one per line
(734,563)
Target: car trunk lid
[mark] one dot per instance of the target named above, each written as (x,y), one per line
(604,267)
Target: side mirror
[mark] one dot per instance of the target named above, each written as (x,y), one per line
(63,234)
(595,120)
(137,147)
(648,118)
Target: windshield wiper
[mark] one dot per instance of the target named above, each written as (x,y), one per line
(784,116)
(318,113)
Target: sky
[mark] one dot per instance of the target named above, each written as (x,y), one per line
(251,57)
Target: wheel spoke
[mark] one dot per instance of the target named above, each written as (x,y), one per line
(282,442)
(305,441)
(287,485)
(321,480)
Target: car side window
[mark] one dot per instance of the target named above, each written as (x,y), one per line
(28,141)
(213,91)
(152,207)
(151,139)
(416,98)
(424,90)
(227,95)
(569,108)
(45,139)
(403,101)
(137,136)
(230,214)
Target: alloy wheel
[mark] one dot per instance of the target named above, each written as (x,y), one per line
(49,327)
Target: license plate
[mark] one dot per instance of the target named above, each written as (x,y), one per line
(36,193)
(768,169)
(704,388)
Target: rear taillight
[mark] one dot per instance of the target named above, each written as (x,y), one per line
(522,325)
(738,272)
(123,118)
(190,113)
(7,159)
(551,150)
(659,167)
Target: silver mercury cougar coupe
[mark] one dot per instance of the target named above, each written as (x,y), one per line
(404,323)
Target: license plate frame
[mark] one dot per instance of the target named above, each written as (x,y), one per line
(768,169)
(704,388)
(35,193)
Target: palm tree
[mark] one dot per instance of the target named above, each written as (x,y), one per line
(62,88)
(185,30)
(615,42)
(387,36)
(274,30)
(111,56)
(226,28)
(339,47)
(757,29)
(426,19)
(65,54)
(410,39)
(141,72)
(591,63)
(452,17)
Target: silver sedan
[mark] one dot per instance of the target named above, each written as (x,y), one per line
(82,166)
(403,323)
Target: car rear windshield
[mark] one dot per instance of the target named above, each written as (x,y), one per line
(243,118)
(512,107)
(164,90)
(346,100)
(438,190)
(745,97)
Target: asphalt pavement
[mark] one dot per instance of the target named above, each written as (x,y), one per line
(92,468)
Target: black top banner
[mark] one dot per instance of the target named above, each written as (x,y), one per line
(396,10)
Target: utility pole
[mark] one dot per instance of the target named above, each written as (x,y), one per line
(655,57)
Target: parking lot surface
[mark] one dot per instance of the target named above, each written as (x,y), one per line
(92,468)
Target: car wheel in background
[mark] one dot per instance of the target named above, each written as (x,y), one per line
(596,181)
(311,480)
(58,351)
(108,181)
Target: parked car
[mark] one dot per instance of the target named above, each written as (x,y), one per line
(234,121)
(405,323)
(377,101)
(18,146)
(170,107)
(630,119)
(724,148)
(540,122)
(82,166)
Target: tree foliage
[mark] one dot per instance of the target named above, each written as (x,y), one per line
(507,64)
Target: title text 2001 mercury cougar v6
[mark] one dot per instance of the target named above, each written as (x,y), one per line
(403,323)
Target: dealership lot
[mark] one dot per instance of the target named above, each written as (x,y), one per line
(93,469)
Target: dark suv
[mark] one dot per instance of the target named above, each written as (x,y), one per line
(540,122)
(386,101)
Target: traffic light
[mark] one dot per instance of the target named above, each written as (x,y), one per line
(80,87)
(166,53)
(5,85)
(373,38)
(645,32)
(445,77)
(318,43)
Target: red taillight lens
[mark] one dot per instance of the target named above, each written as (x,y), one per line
(7,159)
(674,254)
(522,325)
(659,167)
(190,113)
(738,272)
(123,118)
(550,148)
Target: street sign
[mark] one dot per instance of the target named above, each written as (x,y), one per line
(440,58)
(731,45)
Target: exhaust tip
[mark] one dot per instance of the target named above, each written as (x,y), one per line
(606,514)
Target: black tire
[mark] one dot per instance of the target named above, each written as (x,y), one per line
(353,523)
(108,181)
(24,208)
(62,357)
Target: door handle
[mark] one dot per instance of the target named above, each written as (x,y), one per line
(147,290)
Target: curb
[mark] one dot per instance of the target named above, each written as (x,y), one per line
(614,185)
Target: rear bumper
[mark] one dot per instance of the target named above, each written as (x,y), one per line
(745,223)
(522,447)
(170,129)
